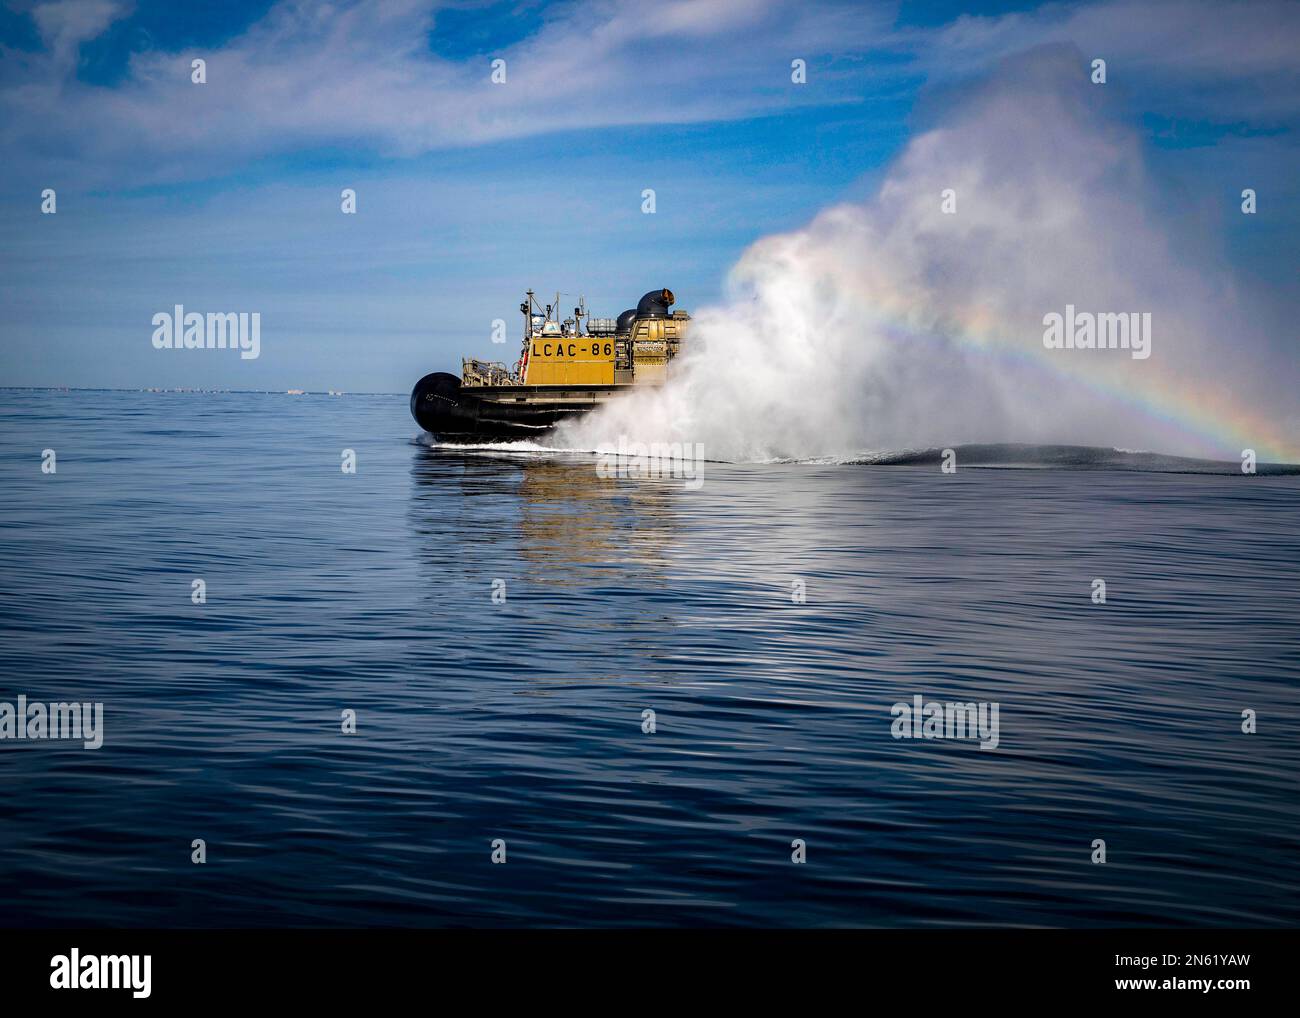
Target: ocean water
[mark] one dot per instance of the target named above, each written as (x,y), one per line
(523,720)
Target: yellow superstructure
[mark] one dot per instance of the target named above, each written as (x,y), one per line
(633,349)
(569,360)
(654,342)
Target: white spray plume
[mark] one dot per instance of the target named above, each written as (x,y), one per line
(892,325)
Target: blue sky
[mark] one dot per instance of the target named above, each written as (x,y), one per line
(225,196)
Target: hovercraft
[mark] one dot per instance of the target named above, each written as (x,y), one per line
(565,369)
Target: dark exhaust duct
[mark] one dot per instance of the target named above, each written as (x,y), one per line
(655,304)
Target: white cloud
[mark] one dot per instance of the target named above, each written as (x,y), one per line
(310,74)
(1236,61)
(65,24)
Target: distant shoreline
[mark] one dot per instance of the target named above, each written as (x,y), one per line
(193,392)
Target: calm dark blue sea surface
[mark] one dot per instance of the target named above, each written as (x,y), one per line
(523,720)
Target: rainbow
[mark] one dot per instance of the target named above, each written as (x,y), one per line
(1208,415)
